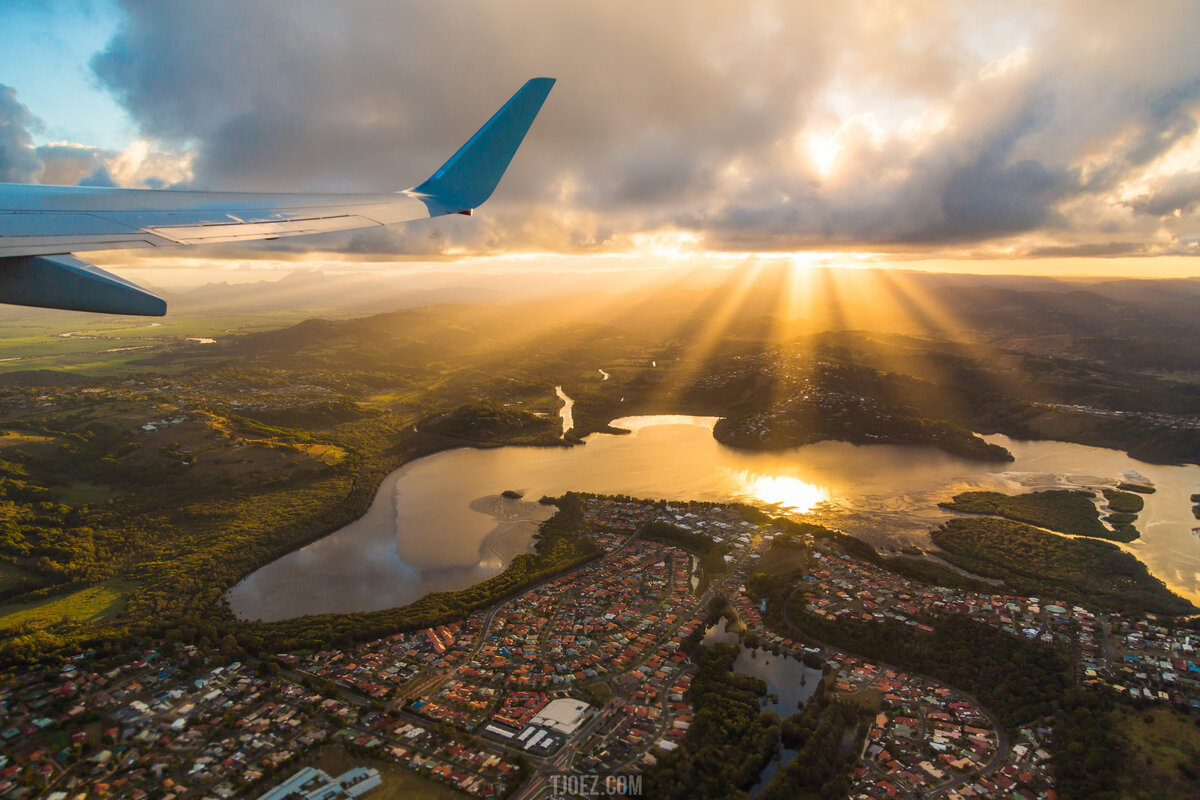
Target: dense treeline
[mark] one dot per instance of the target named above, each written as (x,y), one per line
(1124,502)
(1032,562)
(44,541)
(661,531)
(857,420)
(1062,510)
(826,751)
(711,554)
(1090,754)
(485,420)
(933,573)
(730,739)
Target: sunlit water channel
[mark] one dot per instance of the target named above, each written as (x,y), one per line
(439,523)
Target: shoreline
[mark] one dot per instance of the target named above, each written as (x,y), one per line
(495,554)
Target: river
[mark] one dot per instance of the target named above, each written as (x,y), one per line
(568,417)
(438,523)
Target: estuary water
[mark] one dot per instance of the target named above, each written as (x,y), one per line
(439,522)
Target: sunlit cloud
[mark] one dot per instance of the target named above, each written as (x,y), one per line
(895,133)
(822,151)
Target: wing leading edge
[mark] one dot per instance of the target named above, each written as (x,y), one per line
(41,225)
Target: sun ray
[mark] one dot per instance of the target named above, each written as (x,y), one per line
(942,365)
(694,343)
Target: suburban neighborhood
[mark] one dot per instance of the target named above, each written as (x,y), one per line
(585,674)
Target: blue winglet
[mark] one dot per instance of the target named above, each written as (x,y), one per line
(471,174)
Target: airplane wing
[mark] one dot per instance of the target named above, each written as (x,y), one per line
(40,226)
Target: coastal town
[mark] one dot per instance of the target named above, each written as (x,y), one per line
(585,674)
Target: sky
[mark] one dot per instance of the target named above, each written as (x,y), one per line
(1030,137)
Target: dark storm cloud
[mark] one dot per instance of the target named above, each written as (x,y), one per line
(990,198)
(687,115)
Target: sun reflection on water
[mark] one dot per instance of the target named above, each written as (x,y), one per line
(784,491)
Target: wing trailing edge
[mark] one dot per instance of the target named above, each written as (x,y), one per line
(66,282)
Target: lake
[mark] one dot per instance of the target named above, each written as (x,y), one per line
(789,686)
(438,523)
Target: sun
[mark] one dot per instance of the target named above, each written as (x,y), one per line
(822,151)
(783,491)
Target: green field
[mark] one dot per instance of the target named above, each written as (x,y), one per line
(782,559)
(13,577)
(93,604)
(82,493)
(13,439)
(93,345)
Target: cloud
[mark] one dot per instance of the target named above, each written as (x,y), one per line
(19,162)
(767,125)
(1093,250)
(71,163)
(1170,195)
(99,177)
(67,164)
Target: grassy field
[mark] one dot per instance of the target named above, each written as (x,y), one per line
(1164,753)
(93,345)
(82,493)
(782,560)
(870,700)
(12,577)
(329,454)
(399,783)
(93,604)
(12,439)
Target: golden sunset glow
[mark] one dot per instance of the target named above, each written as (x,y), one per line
(1017,138)
(787,493)
(608,389)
